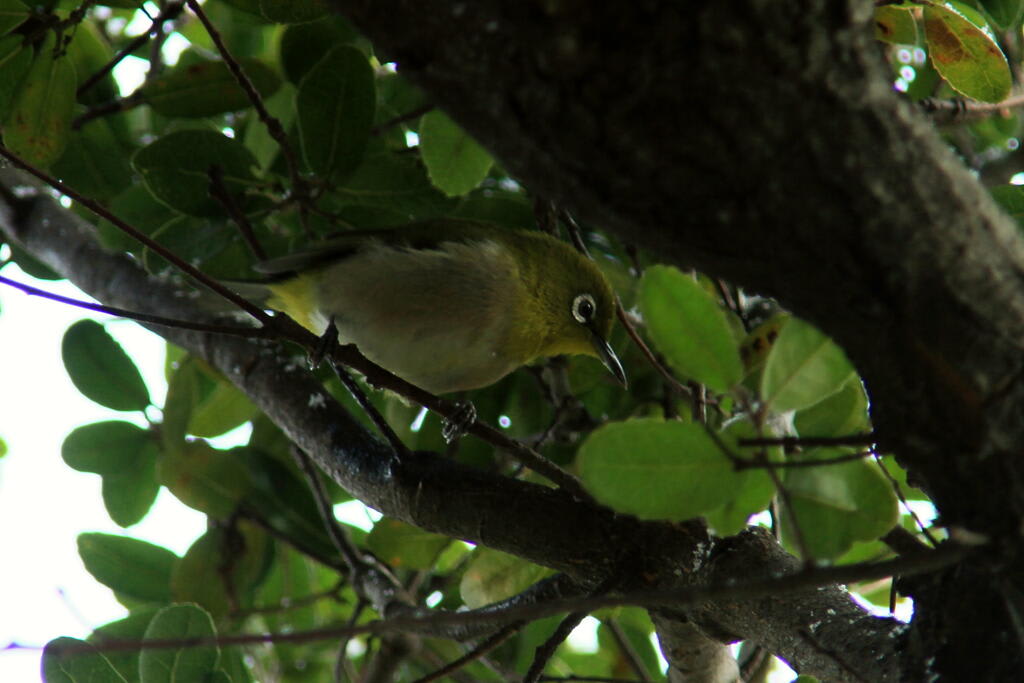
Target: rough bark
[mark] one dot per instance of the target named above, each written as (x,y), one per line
(761,142)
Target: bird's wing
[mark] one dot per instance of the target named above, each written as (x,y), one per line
(421,235)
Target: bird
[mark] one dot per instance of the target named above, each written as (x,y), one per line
(447,304)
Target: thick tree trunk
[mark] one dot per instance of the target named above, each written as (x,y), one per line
(761,142)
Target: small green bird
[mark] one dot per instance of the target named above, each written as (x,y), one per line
(449,304)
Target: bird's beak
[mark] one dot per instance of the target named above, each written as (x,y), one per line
(608,357)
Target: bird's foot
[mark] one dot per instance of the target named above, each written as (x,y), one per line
(327,339)
(460,421)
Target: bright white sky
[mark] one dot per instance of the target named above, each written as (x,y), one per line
(44,505)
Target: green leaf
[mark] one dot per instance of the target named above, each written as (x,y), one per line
(220,409)
(754,488)
(125,456)
(803,368)
(185,663)
(15,61)
(303,45)
(38,126)
(100,369)
(841,414)
(257,138)
(493,575)
(689,328)
(90,50)
(222,567)
(899,476)
(12,14)
(139,208)
(203,242)
(104,446)
(657,470)
(183,387)
(335,107)
(455,162)
(895,25)
(3,448)
(69,660)
(202,403)
(965,56)
(176,169)
(1003,12)
(283,501)
(128,495)
(130,567)
(403,546)
(130,629)
(635,625)
(1011,198)
(293,11)
(198,89)
(838,504)
(204,478)
(91,163)
(395,182)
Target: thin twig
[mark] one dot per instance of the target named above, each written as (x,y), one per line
(741,463)
(341,663)
(620,312)
(169,13)
(903,499)
(371,410)
(101,211)
(628,651)
(791,442)
(247,332)
(273,126)
(219,191)
(546,650)
(787,503)
(474,654)
(337,535)
(805,579)
(292,604)
(783,492)
(108,108)
(401,118)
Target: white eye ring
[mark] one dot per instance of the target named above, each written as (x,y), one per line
(583,308)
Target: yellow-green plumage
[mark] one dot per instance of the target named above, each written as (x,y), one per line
(449,305)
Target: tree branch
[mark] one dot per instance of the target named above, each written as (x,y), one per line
(590,543)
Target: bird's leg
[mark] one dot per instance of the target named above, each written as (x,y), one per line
(460,421)
(330,335)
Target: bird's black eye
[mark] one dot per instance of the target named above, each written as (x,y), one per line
(583,308)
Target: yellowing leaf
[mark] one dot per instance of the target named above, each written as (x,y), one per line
(493,575)
(965,56)
(38,126)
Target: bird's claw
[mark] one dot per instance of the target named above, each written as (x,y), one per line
(458,424)
(319,352)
